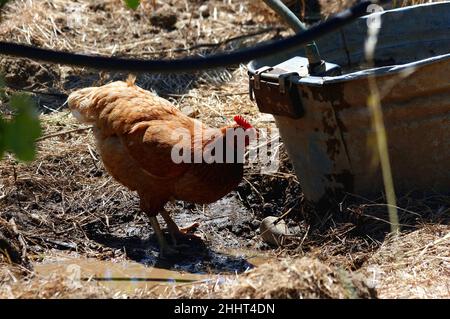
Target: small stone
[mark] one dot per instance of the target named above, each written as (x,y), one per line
(204,11)
(165,18)
(273,230)
(255,223)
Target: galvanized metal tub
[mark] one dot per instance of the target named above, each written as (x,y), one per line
(325,122)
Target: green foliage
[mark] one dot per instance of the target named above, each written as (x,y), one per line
(132,4)
(18,134)
(3,2)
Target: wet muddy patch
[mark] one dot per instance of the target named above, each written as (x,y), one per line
(224,225)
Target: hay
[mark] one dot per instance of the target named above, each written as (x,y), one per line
(414,265)
(12,245)
(55,287)
(288,279)
(109,28)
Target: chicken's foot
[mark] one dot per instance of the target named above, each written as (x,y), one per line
(164,247)
(177,232)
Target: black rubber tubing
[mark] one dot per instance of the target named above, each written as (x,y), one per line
(189,64)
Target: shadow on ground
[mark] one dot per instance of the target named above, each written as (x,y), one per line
(194,257)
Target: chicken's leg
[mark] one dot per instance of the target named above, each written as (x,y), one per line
(164,247)
(177,232)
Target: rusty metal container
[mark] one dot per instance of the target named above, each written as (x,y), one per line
(325,123)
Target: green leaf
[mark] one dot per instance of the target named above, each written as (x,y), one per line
(22,131)
(132,4)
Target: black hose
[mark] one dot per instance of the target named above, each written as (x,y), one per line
(190,63)
(287,15)
(316,65)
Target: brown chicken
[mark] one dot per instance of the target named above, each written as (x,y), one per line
(141,138)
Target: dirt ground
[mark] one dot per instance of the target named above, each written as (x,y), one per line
(64,202)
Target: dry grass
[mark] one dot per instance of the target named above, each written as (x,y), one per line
(60,192)
(290,278)
(115,30)
(55,287)
(415,265)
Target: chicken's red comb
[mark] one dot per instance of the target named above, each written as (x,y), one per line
(242,122)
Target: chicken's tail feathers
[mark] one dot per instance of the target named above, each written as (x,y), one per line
(131,79)
(79,102)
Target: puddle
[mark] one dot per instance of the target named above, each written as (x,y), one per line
(127,276)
